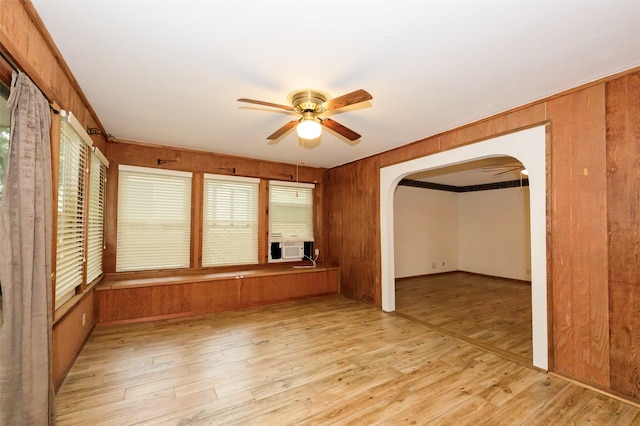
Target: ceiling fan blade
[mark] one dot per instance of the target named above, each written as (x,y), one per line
(501,167)
(282,130)
(346,100)
(339,128)
(269,104)
(508,171)
(493,168)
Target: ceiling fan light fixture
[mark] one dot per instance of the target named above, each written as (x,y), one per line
(309,129)
(310,104)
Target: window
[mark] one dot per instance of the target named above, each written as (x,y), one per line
(95,234)
(154,219)
(70,241)
(5,117)
(230,220)
(79,232)
(290,211)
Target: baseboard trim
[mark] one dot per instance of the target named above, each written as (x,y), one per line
(464,272)
(426,275)
(498,277)
(608,393)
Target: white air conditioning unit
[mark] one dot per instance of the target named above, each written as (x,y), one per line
(293,250)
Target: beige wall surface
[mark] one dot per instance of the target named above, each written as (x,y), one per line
(493,233)
(485,232)
(426,231)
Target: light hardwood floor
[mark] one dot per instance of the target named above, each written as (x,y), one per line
(328,360)
(494,313)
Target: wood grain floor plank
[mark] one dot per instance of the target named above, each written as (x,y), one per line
(197,414)
(602,410)
(494,311)
(329,360)
(474,411)
(509,385)
(563,407)
(529,401)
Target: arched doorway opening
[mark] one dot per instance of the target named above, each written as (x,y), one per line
(462,253)
(529,148)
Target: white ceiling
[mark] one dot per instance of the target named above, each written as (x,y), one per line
(169,72)
(478,172)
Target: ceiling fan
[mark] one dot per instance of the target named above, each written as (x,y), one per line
(310,104)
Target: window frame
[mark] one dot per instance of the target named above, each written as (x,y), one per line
(294,241)
(247,218)
(97,182)
(175,227)
(275,209)
(70,258)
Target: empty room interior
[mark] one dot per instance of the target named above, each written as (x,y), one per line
(472,222)
(376,213)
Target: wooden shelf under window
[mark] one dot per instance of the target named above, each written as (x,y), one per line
(148,299)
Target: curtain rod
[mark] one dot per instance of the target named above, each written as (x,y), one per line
(15,67)
(7,58)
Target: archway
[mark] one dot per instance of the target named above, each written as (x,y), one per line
(528,147)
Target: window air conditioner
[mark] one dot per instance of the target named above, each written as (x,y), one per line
(292,250)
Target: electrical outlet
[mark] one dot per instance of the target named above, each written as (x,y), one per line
(84,319)
(433,265)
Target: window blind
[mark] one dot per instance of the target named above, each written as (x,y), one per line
(95,234)
(230,220)
(154,219)
(290,211)
(70,241)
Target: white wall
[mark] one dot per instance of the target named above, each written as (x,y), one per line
(426,231)
(486,232)
(493,233)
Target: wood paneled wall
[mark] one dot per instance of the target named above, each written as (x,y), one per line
(579,235)
(623,216)
(593,177)
(147,155)
(353,212)
(69,336)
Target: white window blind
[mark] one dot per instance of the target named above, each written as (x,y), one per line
(290,211)
(154,219)
(74,150)
(95,235)
(230,220)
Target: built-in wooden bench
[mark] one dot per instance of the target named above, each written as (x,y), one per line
(126,300)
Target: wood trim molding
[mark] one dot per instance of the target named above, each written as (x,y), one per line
(468,188)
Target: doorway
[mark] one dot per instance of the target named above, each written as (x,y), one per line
(528,147)
(462,254)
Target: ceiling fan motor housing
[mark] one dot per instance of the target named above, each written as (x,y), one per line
(307,102)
